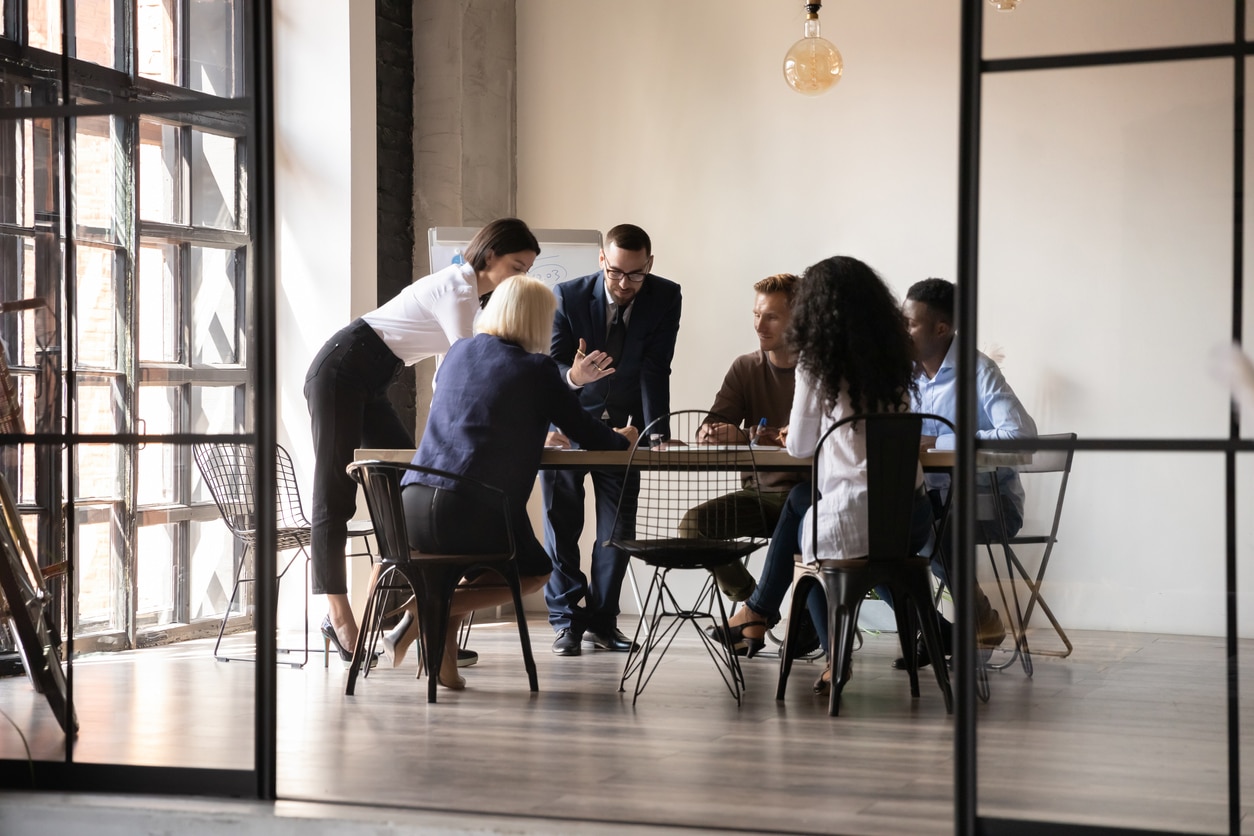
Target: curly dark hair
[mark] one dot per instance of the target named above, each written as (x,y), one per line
(851,334)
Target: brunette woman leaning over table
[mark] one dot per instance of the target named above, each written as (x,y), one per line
(347,383)
(855,356)
(495,398)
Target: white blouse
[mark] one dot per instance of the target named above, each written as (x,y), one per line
(843,518)
(430,315)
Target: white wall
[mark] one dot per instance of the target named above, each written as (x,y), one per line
(326,195)
(1105,257)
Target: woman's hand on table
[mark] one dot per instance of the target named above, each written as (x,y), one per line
(630,433)
(556,440)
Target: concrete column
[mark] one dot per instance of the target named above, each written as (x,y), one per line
(465,60)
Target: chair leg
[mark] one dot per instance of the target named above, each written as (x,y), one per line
(239,570)
(523,634)
(801,590)
(906,631)
(370,620)
(434,588)
(842,623)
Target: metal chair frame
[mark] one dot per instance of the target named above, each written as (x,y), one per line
(229,471)
(652,535)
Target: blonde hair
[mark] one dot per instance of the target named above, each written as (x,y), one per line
(521,310)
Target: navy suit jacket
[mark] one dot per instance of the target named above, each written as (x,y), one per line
(640,385)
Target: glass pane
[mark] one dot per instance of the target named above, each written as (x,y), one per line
(213,409)
(157,56)
(97,308)
(1071,26)
(159,323)
(93,31)
(100,580)
(155,557)
(98,474)
(98,192)
(44,24)
(213,181)
(213,568)
(212,47)
(16,172)
(215,330)
(160,167)
(156,477)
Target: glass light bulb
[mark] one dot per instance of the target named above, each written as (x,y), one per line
(812,65)
(1004,5)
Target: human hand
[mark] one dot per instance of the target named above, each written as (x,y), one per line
(589,366)
(781,435)
(557,439)
(715,432)
(927,442)
(629,432)
(767,436)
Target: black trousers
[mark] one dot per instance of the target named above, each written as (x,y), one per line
(346,389)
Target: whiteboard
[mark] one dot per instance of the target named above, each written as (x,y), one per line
(564,253)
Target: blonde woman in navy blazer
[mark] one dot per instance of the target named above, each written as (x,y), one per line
(495,397)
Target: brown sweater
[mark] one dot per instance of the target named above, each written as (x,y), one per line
(754,389)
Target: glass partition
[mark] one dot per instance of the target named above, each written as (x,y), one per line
(125,327)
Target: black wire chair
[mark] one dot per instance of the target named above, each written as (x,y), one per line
(230,472)
(663,482)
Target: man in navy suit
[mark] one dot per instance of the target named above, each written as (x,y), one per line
(627,319)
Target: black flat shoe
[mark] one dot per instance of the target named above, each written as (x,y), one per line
(735,638)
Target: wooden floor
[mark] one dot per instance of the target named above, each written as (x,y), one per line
(1129,731)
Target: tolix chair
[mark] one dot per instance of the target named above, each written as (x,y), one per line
(434,578)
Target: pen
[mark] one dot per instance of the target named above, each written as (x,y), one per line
(628,420)
(761,427)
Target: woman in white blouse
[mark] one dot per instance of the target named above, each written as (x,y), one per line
(346,388)
(855,356)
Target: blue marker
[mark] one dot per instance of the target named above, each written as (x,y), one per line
(761,427)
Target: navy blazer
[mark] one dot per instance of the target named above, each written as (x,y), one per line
(492,407)
(640,385)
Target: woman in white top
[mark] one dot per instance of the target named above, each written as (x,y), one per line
(347,384)
(855,356)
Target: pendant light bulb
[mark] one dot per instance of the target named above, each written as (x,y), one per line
(1004,5)
(812,65)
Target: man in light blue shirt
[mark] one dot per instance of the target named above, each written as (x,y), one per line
(929,312)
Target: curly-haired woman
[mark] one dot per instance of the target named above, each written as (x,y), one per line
(855,357)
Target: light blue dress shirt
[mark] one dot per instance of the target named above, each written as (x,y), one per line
(1000,415)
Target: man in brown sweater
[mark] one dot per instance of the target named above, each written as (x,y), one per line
(756,398)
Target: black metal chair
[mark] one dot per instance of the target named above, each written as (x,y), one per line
(892,459)
(653,526)
(432,577)
(229,470)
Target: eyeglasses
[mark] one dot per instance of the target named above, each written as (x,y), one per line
(616,275)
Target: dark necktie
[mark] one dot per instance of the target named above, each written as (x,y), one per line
(617,334)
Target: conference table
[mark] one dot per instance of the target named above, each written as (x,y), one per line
(763,458)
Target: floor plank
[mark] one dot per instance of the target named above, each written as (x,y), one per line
(1128,731)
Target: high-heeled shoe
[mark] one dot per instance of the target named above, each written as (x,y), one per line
(823,685)
(396,641)
(329,638)
(735,638)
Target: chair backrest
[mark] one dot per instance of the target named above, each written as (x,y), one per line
(1048,461)
(230,471)
(696,474)
(892,461)
(381,482)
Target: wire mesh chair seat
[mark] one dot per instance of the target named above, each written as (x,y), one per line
(230,472)
(892,462)
(670,518)
(433,578)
